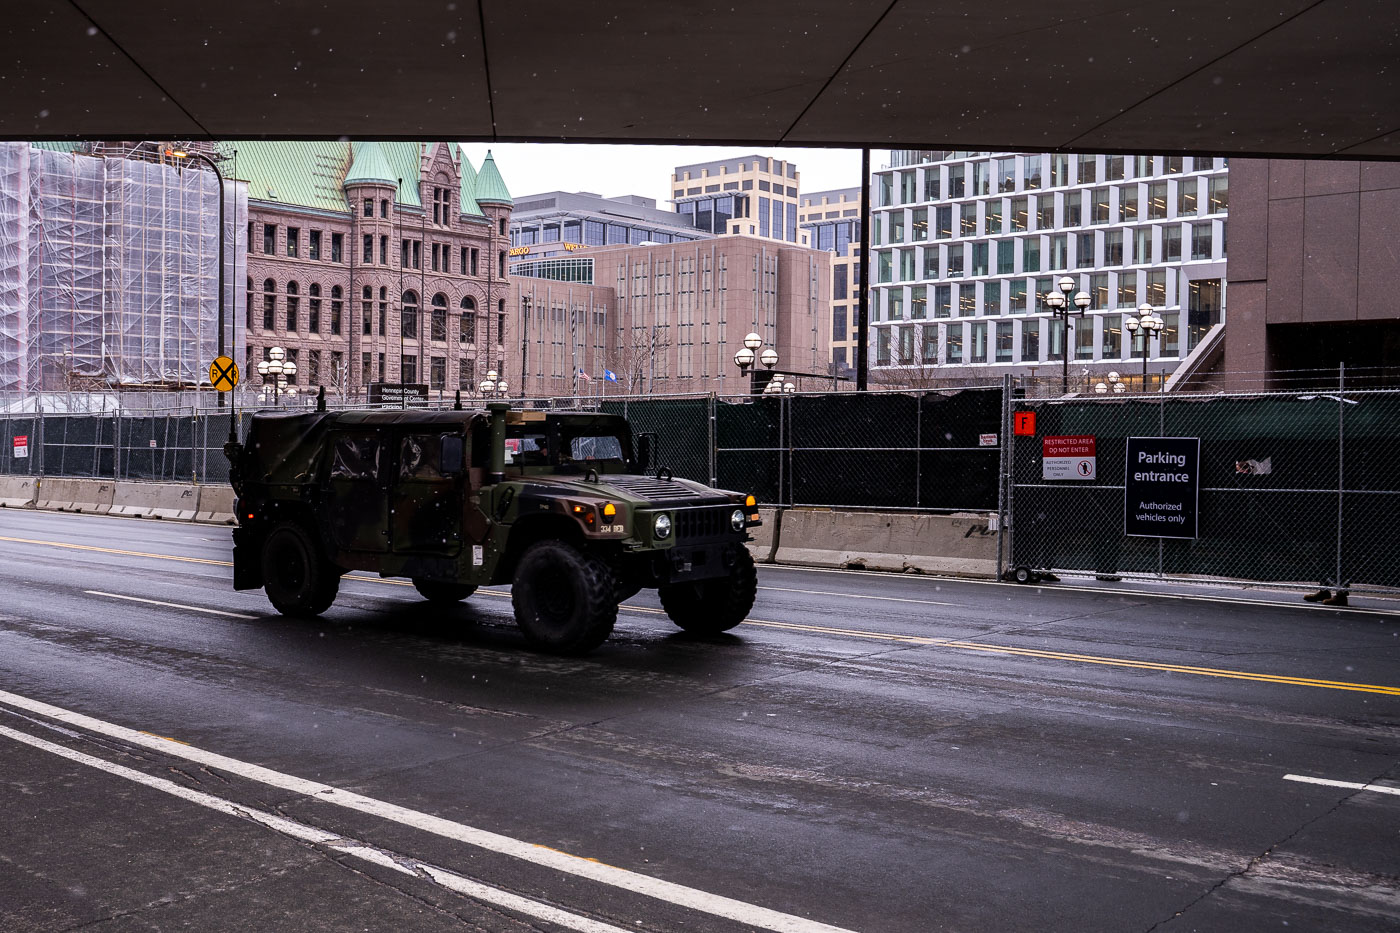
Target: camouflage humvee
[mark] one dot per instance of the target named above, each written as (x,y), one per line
(560,506)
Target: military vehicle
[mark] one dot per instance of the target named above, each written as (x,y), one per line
(561,506)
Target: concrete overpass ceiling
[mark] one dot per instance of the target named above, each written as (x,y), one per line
(1282,77)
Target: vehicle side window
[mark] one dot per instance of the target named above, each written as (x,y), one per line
(355,457)
(595,448)
(419,456)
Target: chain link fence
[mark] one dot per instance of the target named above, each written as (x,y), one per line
(166,446)
(1298,489)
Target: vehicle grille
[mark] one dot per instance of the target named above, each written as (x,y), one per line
(701,524)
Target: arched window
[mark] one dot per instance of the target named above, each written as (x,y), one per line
(269,305)
(408,326)
(468,331)
(437,327)
(313,308)
(293,306)
(337,308)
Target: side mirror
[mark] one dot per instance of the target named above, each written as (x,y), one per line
(452,450)
(646,450)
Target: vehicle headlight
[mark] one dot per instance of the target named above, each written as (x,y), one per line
(662,528)
(736,519)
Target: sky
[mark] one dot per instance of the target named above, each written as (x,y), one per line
(533,168)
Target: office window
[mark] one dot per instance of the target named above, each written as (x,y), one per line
(383,310)
(1112,337)
(882,346)
(1030,258)
(930,262)
(838,324)
(1113,247)
(368,207)
(991,298)
(293,241)
(467,330)
(366,367)
(383,207)
(1055,350)
(313,308)
(408,369)
(1006,174)
(918,225)
(1059,170)
(1157,200)
(896,226)
(384,250)
(839,284)
(1113,168)
(1186,197)
(1016,296)
(928,344)
(944,228)
(967,300)
(906,265)
(438,320)
(1128,203)
(1030,169)
(293,302)
(269,239)
(908,183)
(979,258)
(1006,257)
(886,193)
(1088,169)
(408,325)
(1142,166)
(981,178)
(956,175)
(955,261)
(894,310)
(1200,241)
(476,255)
(763,215)
(1098,290)
(1127,289)
(979,342)
(1101,212)
(953,344)
(269,321)
(1142,246)
(1084,338)
(367,253)
(293,357)
(942,300)
(313,370)
(1020,214)
(437,373)
(1084,251)
(1156,294)
(1171,243)
(884,266)
(381,367)
(337,309)
(337,246)
(1219,194)
(933,183)
(968,217)
(992,210)
(1074,209)
(1173,165)
(313,244)
(367,311)
(1030,341)
(1005,341)
(1169,340)
(1045,212)
(466,374)
(918,302)
(1059,252)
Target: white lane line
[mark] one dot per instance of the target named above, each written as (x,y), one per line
(1349,785)
(156,602)
(668,891)
(887,599)
(352,847)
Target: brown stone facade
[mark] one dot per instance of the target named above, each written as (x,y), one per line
(382,292)
(1312,270)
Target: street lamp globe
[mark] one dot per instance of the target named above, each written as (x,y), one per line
(1101,389)
(1113,376)
(262,367)
(744,358)
(487,385)
(753,341)
(289,368)
(789,387)
(769,357)
(1081,301)
(1119,387)
(276,354)
(1055,300)
(1066,285)
(502,387)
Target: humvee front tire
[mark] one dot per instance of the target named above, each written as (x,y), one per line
(444,593)
(297,579)
(564,600)
(708,607)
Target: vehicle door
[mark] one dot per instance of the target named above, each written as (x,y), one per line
(356,493)
(425,502)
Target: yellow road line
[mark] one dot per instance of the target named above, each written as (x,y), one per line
(872,636)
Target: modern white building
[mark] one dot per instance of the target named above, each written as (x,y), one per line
(966,245)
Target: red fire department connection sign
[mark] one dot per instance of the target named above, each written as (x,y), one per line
(1070,457)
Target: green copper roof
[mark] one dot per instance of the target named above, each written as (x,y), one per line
(490,187)
(468,189)
(370,167)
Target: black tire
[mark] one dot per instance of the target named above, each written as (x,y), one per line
(564,601)
(624,590)
(435,591)
(709,607)
(297,579)
(1023,575)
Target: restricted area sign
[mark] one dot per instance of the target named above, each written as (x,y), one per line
(1162,487)
(1070,457)
(21,446)
(223,374)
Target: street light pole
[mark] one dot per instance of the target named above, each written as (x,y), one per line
(179,153)
(1062,306)
(1147,322)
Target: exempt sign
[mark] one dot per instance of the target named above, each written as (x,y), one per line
(1161,487)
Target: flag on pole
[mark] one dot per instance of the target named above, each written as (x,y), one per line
(609,375)
(583,375)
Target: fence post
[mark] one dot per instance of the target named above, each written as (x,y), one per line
(1341,473)
(714,441)
(39,423)
(1003,476)
(918,448)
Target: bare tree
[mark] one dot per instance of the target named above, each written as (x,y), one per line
(635,358)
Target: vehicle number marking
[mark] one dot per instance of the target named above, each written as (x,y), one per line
(478,555)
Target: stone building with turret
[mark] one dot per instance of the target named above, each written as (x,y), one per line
(374,262)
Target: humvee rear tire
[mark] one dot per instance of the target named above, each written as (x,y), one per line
(564,601)
(445,593)
(297,579)
(708,607)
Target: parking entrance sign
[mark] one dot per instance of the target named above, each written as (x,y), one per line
(1161,487)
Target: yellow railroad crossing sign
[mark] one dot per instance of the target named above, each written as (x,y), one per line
(223,373)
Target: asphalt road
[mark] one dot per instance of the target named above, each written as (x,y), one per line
(867,752)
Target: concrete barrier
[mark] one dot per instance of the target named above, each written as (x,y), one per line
(75,495)
(156,500)
(18,492)
(763,536)
(215,504)
(962,544)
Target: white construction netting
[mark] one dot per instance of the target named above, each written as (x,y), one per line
(109,271)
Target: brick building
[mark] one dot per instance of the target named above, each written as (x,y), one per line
(375,262)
